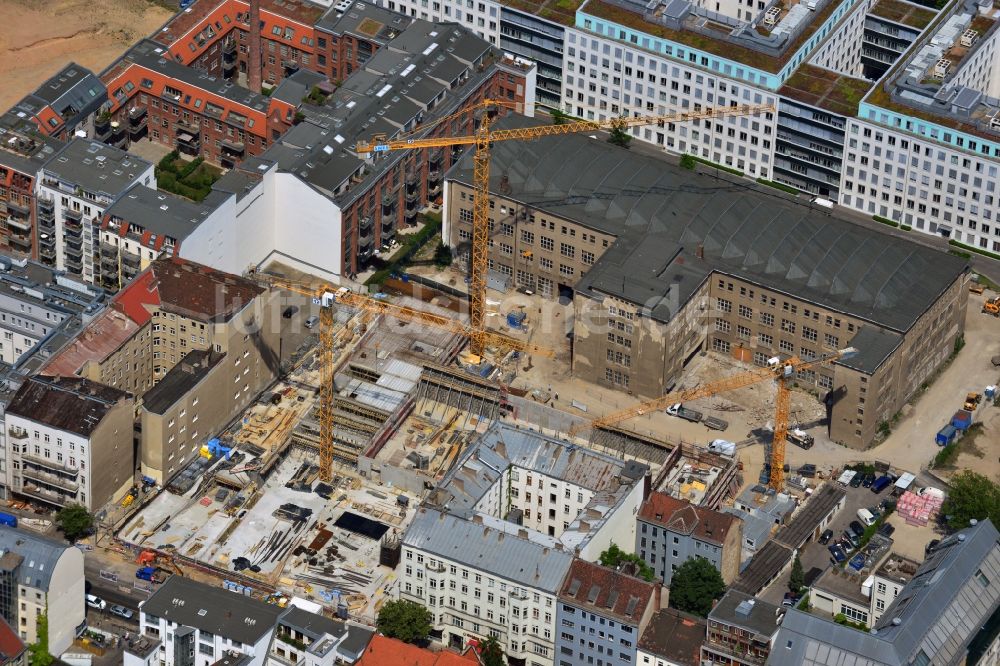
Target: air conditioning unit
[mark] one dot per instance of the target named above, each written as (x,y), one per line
(942,67)
(771,15)
(969,37)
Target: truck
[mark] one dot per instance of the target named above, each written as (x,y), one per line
(800,438)
(722,447)
(8,519)
(962,420)
(972,401)
(992,306)
(946,435)
(683,412)
(713,423)
(152,574)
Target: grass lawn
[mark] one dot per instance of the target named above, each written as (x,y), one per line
(192,180)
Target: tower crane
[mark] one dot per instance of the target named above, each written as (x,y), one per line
(483,137)
(368,308)
(776,369)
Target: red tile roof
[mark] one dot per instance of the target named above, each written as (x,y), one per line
(10,645)
(685,518)
(384,651)
(606,591)
(674,636)
(105,334)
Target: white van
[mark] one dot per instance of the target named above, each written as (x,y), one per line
(96,602)
(866,517)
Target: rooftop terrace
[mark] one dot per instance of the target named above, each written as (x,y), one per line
(906,13)
(826,89)
(557,11)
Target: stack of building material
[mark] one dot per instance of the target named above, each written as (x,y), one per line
(918,509)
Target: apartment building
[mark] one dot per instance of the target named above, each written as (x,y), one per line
(724,277)
(74,188)
(741,630)
(311,639)
(671,638)
(184,108)
(37,304)
(937,614)
(864,597)
(891,577)
(38,576)
(69,440)
(23,151)
(489,552)
(602,613)
(670,532)
(66,104)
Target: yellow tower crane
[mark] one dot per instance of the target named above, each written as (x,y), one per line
(779,371)
(368,307)
(482,139)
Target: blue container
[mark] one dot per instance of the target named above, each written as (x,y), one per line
(8,519)
(946,435)
(962,420)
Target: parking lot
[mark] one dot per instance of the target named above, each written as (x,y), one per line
(815,557)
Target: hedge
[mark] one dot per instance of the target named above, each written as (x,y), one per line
(977,250)
(886,221)
(778,186)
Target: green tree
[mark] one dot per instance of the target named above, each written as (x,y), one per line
(491,653)
(74,520)
(972,496)
(558,117)
(688,161)
(620,137)
(442,255)
(408,621)
(40,651)
(798,578)
(695,585)
(614,557)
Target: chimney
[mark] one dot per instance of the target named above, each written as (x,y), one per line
(254,57)
(700,252)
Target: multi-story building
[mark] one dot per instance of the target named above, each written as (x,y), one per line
(670,532)
(39,576)
(74,188)
(725,276)
(602,613)
(741,630)
(861,597)
(189,623)
(23,151)
(37,303)
(69,440)
(489,551)
(937,614)
(671,638)
(890,578)
(65,105)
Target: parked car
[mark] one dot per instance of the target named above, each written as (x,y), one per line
(868,480)
(886,529)
(791,599)
(881,483)
(290,311)
(311,321)
(857,528)
(122,612)
(96,602)
(825,537)
(808,470)
(931,545)
(856,481)
(849,541)
(837,553)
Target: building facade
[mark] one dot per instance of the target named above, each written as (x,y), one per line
(69,440)
(670,532)
(741,630)
(602,613)
(41,576)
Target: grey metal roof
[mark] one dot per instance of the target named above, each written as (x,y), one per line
(380,24)
(503,554)
(184,376)
(293,88)
(938,612)
(74,93)
(805,521)
(874,345)
(764,566)
(662,214)
(96,167)
(160,213)
(754,528)
(212,609)
(40,555)
(312,624)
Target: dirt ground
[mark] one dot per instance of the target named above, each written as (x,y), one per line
(40,38)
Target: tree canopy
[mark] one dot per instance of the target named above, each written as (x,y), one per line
(408,621)
(491,652)
(620,137)
(695,585)
(972,496)
(798,578)
(75,521)
(614,557)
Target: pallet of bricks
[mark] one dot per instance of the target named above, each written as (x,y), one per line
(918,509)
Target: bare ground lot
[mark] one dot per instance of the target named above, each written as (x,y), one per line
(40,38)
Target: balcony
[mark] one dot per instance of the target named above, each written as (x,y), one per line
(129,259)
(434,190)
(410,216)
(49,480)
(188,143)
(74,266)
(74,215)
(48,255)
(22,243)
(19,223)
(54,498)
(109,250)
(46,206)
(17,433)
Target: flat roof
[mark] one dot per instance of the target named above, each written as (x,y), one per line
(71,404)
(722,45)
(96,167)
(826,89)
(675,228)
(742,610)
(184,376)
(805,521)
(557,11)
(158,212)
(906,13)
(843,584)
(874,345)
